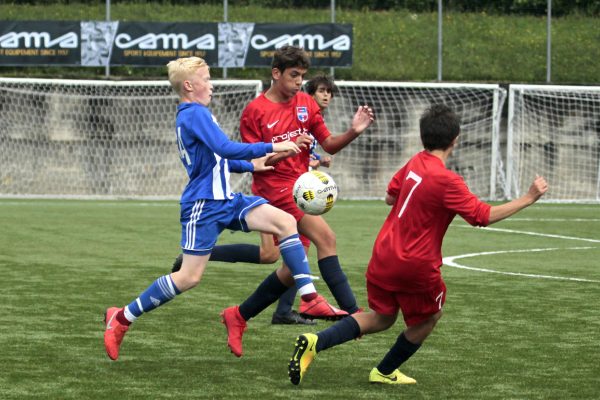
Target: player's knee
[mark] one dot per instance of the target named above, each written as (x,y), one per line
(287,225)
(187,278)
(326,240)
(432,321)
(191,280)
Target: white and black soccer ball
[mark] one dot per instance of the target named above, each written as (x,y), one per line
(315,192)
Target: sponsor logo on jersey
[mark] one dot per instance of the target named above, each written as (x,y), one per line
(302,113)
(289,135)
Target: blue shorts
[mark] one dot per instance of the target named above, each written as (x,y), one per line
(202,221)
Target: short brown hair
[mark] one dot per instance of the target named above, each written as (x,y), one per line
(290,57)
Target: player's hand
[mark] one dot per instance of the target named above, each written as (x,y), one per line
(314,163)
(260,163)
(304,141)
(363,117)
(286,146)
(326,161)
(538,187)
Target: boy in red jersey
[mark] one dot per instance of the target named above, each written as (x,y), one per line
(404,270)
(284,111)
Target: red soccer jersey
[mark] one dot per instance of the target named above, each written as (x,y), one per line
(407,254)
(266,121)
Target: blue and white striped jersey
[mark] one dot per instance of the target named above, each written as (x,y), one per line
(208,155)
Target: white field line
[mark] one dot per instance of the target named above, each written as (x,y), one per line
(533,234)
(449,261)
(555,219)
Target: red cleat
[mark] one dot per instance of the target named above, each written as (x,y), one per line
(114,332)
(319,308)
(236,325)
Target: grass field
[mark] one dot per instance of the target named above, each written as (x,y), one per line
(532,336)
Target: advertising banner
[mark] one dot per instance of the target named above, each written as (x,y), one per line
(39,43)
(231,45)
(329,45)
(157,43)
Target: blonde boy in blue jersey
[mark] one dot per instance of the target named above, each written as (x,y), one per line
(208,207)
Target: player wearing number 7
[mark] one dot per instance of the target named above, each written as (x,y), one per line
(404,270)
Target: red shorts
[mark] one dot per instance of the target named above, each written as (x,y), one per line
(282,197)
(415,307)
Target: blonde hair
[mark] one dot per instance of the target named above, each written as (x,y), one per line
(179,70)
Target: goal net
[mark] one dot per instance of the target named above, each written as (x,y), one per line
(64,138)
(365,167)
(67,138)
(554,131)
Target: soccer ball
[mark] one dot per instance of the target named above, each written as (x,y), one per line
(315,192)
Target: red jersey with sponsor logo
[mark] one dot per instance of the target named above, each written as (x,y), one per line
(266,121)
(407,254)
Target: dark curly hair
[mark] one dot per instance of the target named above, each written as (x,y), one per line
(318,80)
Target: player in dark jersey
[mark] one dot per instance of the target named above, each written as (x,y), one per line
(404,271)
(208,206)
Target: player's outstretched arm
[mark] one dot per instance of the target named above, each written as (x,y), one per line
(536,190)
(303,141)
(260,164)
(286,146)
(362,120)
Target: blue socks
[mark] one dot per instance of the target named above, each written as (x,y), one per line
(336,280)
(161,291)
(293,254)
(338,333)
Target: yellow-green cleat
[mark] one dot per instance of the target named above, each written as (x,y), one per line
(305,351)
(395,378)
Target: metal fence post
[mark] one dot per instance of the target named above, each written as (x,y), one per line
(549,43)
(332,69)
(439,72)
(225,16)
(107,67)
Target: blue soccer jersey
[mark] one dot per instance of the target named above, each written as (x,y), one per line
(208,155)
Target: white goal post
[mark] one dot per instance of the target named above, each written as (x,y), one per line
(103,139)
(554,131)
(100,139)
